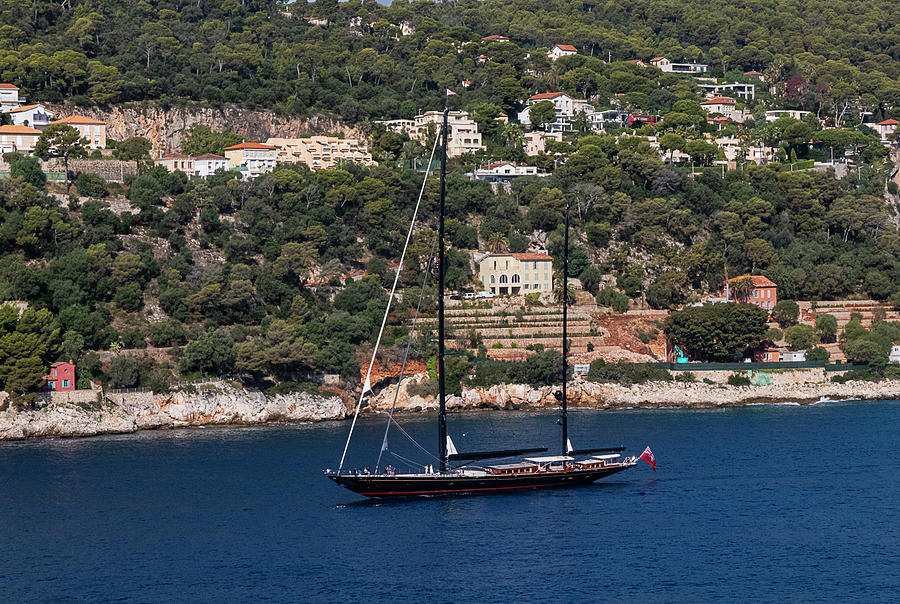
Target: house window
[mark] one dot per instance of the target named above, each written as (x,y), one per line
(492,278)
(503,279)
(51,385)
(756,293)
(515,278)
(53,373)
(65,383)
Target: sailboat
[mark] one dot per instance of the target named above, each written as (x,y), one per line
(570,468)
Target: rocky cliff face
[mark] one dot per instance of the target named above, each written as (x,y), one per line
(655,394)
(166,127)
(142,411)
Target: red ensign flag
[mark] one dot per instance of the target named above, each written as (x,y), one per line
(647,456)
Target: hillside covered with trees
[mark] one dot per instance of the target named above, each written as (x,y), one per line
(262,53)
(253,279)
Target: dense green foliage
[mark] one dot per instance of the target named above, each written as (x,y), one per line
(262,53)
(250,279)
(716,332)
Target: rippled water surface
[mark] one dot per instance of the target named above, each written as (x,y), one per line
(758,503)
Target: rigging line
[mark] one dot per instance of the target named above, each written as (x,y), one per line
(412,329)
(367,385)
(414,441)
(409,461)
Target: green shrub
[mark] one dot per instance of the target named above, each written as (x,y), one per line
(533,299)
(497,345)
(613,298)
(133,338)
(687,377)
(129,297)
(737,379)
(91,185)
(817,353)
(627,373)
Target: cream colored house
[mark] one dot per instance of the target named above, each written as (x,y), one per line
(463,137)
(18,139)
(176,161)
(89,128)
(536,142)
(516,274)
(251,159)
(321,152)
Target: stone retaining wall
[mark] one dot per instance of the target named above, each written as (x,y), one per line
(112,170)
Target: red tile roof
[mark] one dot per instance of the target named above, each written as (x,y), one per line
(9,86)
(18,130)
(718,101)
(758,280)
(495,37)
(528,256)
(249,146)
(545,95)
(752,73)
(656,59)
(79,119)
(888,123)
(210,156)
(567,47)
(23,108)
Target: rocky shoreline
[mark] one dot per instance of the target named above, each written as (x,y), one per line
(122,414)
(223,404)
(649,395)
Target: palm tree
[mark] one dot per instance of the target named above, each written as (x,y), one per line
(741,288)
(497,242)
(558,291)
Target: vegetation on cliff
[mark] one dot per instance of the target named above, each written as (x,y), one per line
(262,53)
(283,277)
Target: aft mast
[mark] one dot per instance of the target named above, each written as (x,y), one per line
(565,349)
(442,394)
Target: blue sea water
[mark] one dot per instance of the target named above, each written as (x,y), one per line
(764,503)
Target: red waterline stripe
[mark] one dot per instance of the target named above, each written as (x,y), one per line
(530,486)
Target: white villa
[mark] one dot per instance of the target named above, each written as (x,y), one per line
(9,97)
(567,107)
(503,172)
(561,50)
(35,116)
(670,67)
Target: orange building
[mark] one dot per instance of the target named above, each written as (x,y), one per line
(761,292)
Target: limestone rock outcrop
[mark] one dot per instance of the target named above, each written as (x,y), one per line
(129,412)
(166,127)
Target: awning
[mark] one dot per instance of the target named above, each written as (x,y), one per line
(550,459)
